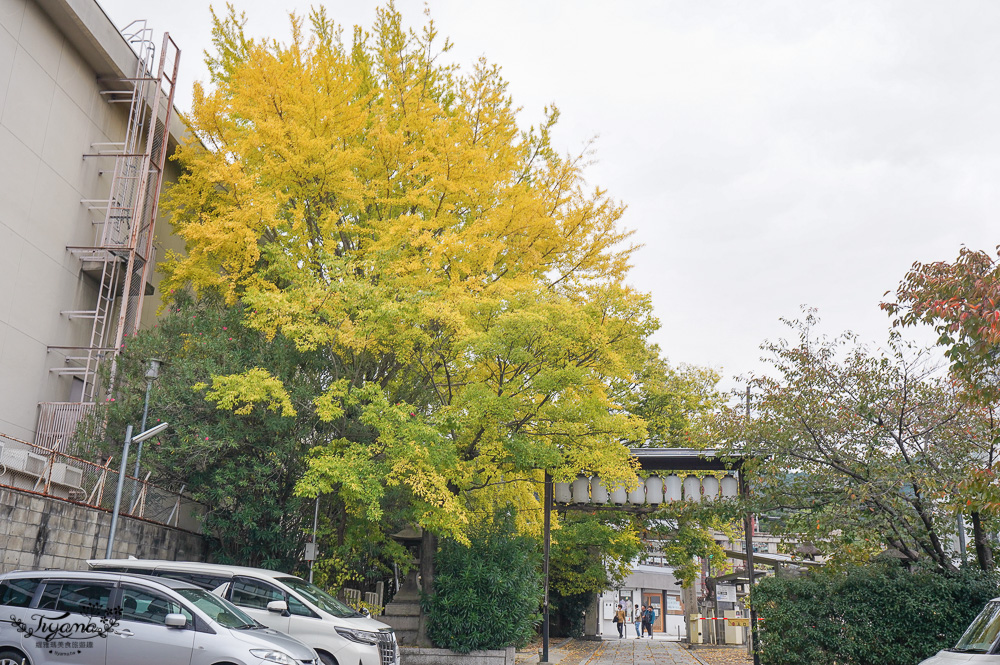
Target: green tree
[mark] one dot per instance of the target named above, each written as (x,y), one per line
(593,552)
(676,403)
(244,466)
(857,449)
(462,281)
(683,533)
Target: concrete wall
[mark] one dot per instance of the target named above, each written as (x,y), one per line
(38,532)
(418,656)
(51,55)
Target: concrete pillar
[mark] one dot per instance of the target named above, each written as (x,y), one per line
(592,619)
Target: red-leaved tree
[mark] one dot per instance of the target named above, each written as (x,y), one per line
(961,300)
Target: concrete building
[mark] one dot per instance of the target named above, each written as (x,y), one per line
(714,599)
(653,584)
(79,177)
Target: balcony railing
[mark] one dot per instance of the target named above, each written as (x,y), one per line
(57,423)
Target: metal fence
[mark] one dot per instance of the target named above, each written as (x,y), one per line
(33,468)
(57,422)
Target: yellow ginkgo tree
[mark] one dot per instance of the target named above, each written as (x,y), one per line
(363,197)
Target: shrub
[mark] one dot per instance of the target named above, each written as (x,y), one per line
(486,596)
(879,614)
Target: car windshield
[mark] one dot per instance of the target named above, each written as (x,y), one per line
(222,611)
(319,598)
(983,632)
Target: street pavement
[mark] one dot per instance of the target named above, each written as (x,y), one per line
(615,652)
(641,652)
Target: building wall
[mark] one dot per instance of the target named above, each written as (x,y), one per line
(647,579)
(37,532)
(51,55)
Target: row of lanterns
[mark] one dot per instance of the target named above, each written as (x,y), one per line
(654,491)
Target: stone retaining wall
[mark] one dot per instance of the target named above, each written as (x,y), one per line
(420,656)
(41,532)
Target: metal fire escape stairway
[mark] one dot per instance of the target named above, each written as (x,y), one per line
(122,256)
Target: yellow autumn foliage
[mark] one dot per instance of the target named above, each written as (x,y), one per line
(365,198)
(240,393)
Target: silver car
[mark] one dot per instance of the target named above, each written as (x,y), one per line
(94,618)
(979,645)
(338,633)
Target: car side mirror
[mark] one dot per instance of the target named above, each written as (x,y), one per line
(176,621)
(277,606)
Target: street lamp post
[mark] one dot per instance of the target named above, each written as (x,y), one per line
(152,372)
(138,438)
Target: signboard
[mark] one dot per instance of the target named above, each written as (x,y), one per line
(739,622)
(726,593)
(673,604)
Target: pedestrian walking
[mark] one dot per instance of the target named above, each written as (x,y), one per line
(648,617)
(642,620)
(620,621)
(637,620)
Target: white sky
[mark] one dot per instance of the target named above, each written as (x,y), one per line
(772,154)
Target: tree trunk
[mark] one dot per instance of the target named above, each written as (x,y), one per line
(984,553)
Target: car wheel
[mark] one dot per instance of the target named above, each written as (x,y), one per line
(326,658)
(12,657)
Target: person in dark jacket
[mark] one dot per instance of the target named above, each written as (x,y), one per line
(648,617)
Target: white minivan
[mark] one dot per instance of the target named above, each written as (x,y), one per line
(62,617)
(338,633)
(979,645)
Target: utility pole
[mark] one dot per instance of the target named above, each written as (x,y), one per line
(748,532)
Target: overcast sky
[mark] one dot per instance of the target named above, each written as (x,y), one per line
(772,154)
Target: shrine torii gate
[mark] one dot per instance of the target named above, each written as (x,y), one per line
(587,493)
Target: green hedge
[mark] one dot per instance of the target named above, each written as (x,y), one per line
(485,596)
(878,614)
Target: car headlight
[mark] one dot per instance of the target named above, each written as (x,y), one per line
(359,636)
(273,656)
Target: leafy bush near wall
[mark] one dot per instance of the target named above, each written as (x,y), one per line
(879,614)
(486,596)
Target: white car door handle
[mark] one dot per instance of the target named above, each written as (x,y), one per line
(125,632)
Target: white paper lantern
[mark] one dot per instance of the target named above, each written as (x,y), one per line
(654,490)
(730,488)
(581,490)
(692,489)
(619,496)
(598,492)
(710,488)
(562,493)
(637,497)
(672,490)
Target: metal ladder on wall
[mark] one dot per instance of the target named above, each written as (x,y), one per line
(123,252)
